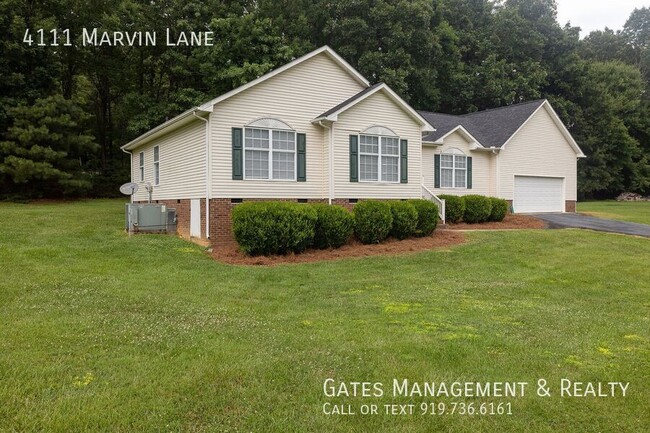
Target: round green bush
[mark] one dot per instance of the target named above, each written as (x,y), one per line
(405,219)
(273,227)
(427,216)
(477,209)
(372,221)
(334,226)
(499,209)
(454,208)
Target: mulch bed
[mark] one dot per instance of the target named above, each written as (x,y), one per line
(511,221)
(441,238)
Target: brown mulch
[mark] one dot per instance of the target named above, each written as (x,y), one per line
(445,237)
(511,221)
(439,239)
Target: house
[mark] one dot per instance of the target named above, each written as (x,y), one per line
(522,153)
(315,130)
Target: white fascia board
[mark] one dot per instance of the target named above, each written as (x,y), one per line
(564,130)
(426,126)
(464,132)
(558,122)
(170,125)
(324,49)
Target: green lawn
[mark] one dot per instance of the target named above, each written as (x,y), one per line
(633,211)
(100,332)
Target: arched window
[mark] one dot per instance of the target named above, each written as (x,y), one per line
(453,169)
(269,150)
(379,155)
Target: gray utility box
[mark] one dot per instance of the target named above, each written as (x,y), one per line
(150,218)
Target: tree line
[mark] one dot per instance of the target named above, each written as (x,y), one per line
(66,110)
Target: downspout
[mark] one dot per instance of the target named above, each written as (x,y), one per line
(330,174)
(498,174)
(131,165)
(207,174)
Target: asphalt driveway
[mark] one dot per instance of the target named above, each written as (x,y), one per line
(562,220)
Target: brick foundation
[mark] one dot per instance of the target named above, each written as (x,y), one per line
(569,206)
(221,216)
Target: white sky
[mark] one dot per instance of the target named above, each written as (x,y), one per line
(597,14)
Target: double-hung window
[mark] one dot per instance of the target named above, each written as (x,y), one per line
(156,165)
(269,154)
(141,156)
(378,158)
(453,171)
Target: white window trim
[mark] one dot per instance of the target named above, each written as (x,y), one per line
(453,170)
(271,151)
(141,166)
(380,156)
(156,166)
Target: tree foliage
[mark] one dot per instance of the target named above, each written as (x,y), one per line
(64,111)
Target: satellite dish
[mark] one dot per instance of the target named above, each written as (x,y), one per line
(129,188)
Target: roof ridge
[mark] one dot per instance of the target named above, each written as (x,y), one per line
(505,107)
(438,114)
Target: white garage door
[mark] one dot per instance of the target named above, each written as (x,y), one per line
(538,194)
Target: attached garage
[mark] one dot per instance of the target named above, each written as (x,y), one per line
(538,194)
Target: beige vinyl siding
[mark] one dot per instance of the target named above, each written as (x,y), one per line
(295,96)
(377,109)
(538,149)
(483,167)
(182,164)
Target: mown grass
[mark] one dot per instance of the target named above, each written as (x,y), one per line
(632,211)
(101,332)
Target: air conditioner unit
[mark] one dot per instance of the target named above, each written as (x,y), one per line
(150,218)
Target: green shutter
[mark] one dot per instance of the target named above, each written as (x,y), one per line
(354,158)
(237,154)
(404,161)
(469,172)
(436,171)
(302,157)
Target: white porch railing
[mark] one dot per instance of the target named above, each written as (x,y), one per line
(428,195)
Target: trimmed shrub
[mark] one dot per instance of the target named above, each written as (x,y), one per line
(454,207)
(372,221)
(334,226)
(405,219)
(273,227)
(427,216)
(499,209)
(477,209)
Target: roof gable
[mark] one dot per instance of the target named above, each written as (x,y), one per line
(558,123)
(332,113)
(494,128)
(322,50)
(207,107)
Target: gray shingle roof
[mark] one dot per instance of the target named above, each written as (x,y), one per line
(349,100)
(492,128)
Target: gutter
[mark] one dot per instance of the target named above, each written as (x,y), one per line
(330,171)
(208,174)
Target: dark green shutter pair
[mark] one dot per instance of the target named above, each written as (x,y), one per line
(436,171)
(238,155)
(354,159)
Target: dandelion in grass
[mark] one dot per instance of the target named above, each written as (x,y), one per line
(605,351)
(87,379)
